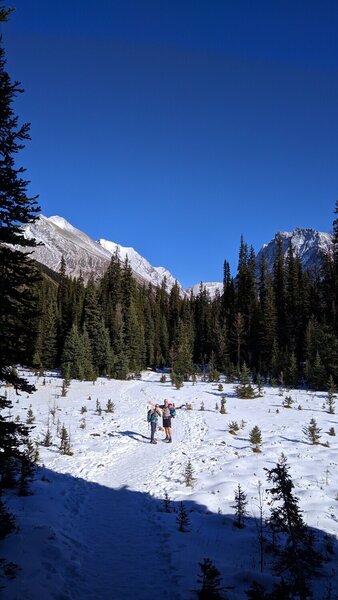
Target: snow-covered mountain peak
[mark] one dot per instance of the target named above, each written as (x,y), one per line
(57,238)
(211,287)
(307,242)
(61,222)
(140,265)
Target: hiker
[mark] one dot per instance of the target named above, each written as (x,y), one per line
(152,417)
(168,413)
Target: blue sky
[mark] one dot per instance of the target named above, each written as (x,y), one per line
(176,127)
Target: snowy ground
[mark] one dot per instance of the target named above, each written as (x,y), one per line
(94,527)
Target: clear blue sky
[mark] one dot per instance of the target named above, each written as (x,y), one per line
(176,126)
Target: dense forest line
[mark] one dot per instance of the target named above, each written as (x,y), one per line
(280,324)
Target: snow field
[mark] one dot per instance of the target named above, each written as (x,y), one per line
(94,528)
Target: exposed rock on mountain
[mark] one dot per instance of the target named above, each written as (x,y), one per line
(309,244)
(85,256)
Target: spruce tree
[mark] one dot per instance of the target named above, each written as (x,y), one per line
(240,507)
(297,556)
(210,581)
(330,400)
(312,432)
(182,519)
(189,474)
(255,438)
(182,352)
(18,276)
(244,389)
(166,502)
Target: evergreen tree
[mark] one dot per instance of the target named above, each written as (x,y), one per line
(280,292)
(182,352)
(26,468)
(319,373)
(330,401)
(189,474)
(98,335)
(240,507)
(312,432)
(238,334)
(210,581)
(245,389)
(18,276)
(166,502)
(255,438)
(65,441)
(297,557)
(182,519)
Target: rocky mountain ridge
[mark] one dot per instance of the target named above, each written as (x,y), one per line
(85,256)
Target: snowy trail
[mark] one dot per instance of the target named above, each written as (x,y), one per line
(113,533)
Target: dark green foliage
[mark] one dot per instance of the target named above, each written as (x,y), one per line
(27,462)
(7,522)
(65,441)
(233,427)
(240,507)
(288,402)
(255,438)
(47,440)
(30,416)
(245,389)
(18,275)
(182,519)
(210,581)
(312,432)
(274,327)
(297,556)
(166,503)
(330,401)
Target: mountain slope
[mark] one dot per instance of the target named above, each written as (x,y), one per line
(308,243)
(85,256)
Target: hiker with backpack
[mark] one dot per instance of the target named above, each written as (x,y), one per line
(168,413)
(152,418)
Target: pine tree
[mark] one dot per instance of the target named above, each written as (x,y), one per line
(47,440)
(255,438)
(182,519)
(28,460)
(312,432)
(65,441)
(330,401)
(18,276)
(240,507)
(189,474)
(166,502)
(210,581)
(30,416)
(182,352)
(244,389)
(288,401)
(297,556)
